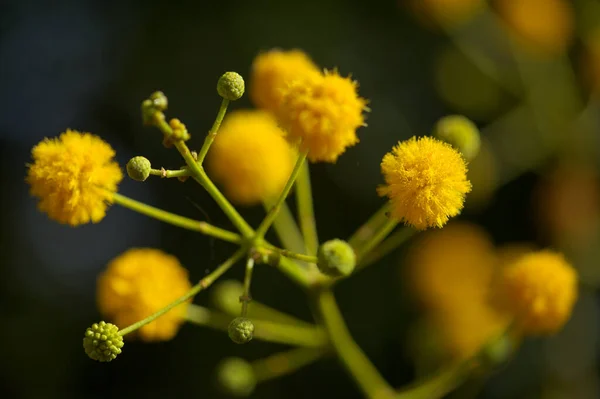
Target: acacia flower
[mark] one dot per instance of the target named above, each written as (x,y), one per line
(540,290)
(140,282)
(250,157)
(73,176)
(426,182)
(322,113)
(271,73)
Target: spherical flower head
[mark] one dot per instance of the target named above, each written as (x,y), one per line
(540,290)
(236,377)
(426,182)
(544,26)
(74,177)
(461,133)
(322,113)
(241,330)
(272,71)
(138,168)
(250,157)
(102,342)
(231,86)
(140,282)
(336,258)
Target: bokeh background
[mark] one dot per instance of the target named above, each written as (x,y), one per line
(526,75)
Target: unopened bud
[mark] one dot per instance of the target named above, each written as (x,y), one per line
(231,86)
(336,258)
(241,330)
(138,168)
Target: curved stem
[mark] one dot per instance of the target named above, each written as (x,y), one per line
(369,228)
(438,385)
(356,362)
(176,220)
(272,214)
(306,212)
(387,246)
(379,235)
(212,133)
(284,363)
(202,284)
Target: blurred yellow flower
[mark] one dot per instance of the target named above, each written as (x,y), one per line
(272,71)
(543,25)
(140,282)
(450,272)
(540,290)
(73,176)
(250,157)
(426,182)
(322,113)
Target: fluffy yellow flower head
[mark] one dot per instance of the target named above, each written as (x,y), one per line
(140,282)
(322,113)
(73,176)
(426,181)
(250,157)
(540,290)
(271,73)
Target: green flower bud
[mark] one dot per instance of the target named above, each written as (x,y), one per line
(225,295)
(336,258)
(102,342)
(241,330)
(461,133)
(231,86)
(138,168)
(235,376)
(159,101)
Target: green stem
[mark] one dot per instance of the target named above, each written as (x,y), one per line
(366,231)
(246,298)
(295,272)
(284,363)
(387,246)
(438,385)
(356,362)
(286,228)
(176,220)
(274,211)
(312,337)
(212,133)
(380,234)
(306,212)
(165,173)
(202,284)
(292,255)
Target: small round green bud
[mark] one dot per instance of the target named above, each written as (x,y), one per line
(225,295)
(138,168)
(235,376)
(241,330)
(461,133)
(336,258)
(231,86)
(102,342)
(159,101)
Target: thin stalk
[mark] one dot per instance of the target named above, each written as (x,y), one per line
(366,231)
(286,228)
(387,246)
(166,173)
(246,298)
(212,133)
(306,212)
(379,235)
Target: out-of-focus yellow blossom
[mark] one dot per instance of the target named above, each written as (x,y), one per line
(591,60)
(450,273)
(543,25)
(444,12)
(272,71)
(73,176)
(426,181)
(539,289)
(322,113)
(250,157)
(140,282)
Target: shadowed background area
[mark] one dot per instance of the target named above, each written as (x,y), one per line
(87,65)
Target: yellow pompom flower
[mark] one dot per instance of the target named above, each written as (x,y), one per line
(73,176)
(426,182)
(140,282)
(322,113)
(250,157)
(540,290)
(543,25)
(272,71)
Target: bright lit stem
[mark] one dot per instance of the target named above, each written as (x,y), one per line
(201,285)
(286,228)
(388,245)
(283,363)
(379,235)
(354,360)
(370,227)
(306,213)
(166,173)
(274,211)
(246,298)
(176,220)
(311,336)
(438,385)
(212,133)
